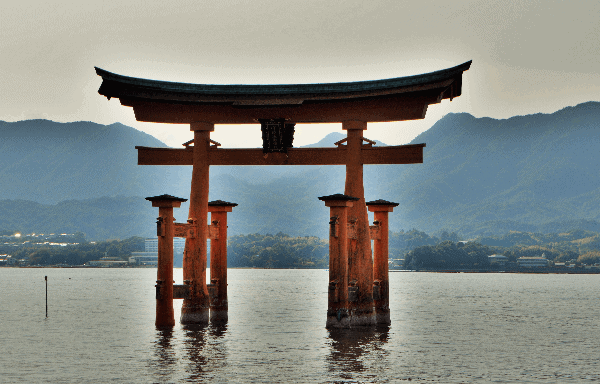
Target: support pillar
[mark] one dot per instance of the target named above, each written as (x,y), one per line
(165,230)
(380,262)
(195,309)
(218,259)
(360,262)
(337,307)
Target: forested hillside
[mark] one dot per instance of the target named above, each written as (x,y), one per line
(486,176)
(48,162)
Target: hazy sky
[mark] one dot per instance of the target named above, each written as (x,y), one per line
(528,56)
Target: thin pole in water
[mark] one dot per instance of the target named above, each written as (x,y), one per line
(46,278)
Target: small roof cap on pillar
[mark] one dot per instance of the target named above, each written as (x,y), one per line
(166,198)
(221,203)
(382,202)
(220,206)
(338,196)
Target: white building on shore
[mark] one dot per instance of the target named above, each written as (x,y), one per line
(533,262)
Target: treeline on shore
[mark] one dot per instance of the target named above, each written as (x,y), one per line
(277,251)
(419,250)
(577,247)
(70,250)
(251,251)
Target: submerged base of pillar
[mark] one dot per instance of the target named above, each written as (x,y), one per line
(362,319)
(218,315)
(163,323)
(165,316)
(337,318)
(383,317)
(197,316)
(350,319)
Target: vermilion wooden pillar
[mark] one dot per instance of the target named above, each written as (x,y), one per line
(360,263)
(165,231)
(380,256)
(218,259)
(337,308)
(195,309)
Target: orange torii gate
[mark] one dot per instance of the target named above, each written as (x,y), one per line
(278,108)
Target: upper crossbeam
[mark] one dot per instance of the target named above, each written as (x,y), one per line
(401,154)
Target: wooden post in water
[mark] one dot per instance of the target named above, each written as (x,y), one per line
(337,308)
(165,230)
(360,262)
(380,260)
(196,306)
(46,279)
(218,259)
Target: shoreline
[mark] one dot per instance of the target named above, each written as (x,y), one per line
(578,271)
(571,271)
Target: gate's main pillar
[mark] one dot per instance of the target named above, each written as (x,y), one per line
(195,309)
(337,308)
(218,259)
(380,256)
(165,230)
(360,262)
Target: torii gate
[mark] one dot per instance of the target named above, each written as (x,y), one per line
(278,108)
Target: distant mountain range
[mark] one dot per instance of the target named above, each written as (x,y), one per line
(483,175)
(480,176)
(49,162)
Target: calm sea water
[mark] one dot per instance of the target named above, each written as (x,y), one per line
(448,328)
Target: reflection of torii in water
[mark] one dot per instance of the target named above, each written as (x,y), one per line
(278,108)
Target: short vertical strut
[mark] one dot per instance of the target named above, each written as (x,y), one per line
(165,230)
(337,309)
(380,260)
(218,259)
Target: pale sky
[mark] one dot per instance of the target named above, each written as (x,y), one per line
(528,56)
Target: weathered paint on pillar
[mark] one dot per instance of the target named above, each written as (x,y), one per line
(360,262)
(380,256)
(165,316)
(195,309)
(218,259)
(337,308)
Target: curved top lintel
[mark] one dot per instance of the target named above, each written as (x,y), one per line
(285,89)
(396,99)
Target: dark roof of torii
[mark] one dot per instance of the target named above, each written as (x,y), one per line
(338,196)
(221,203)
(382,202)
(376,100)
